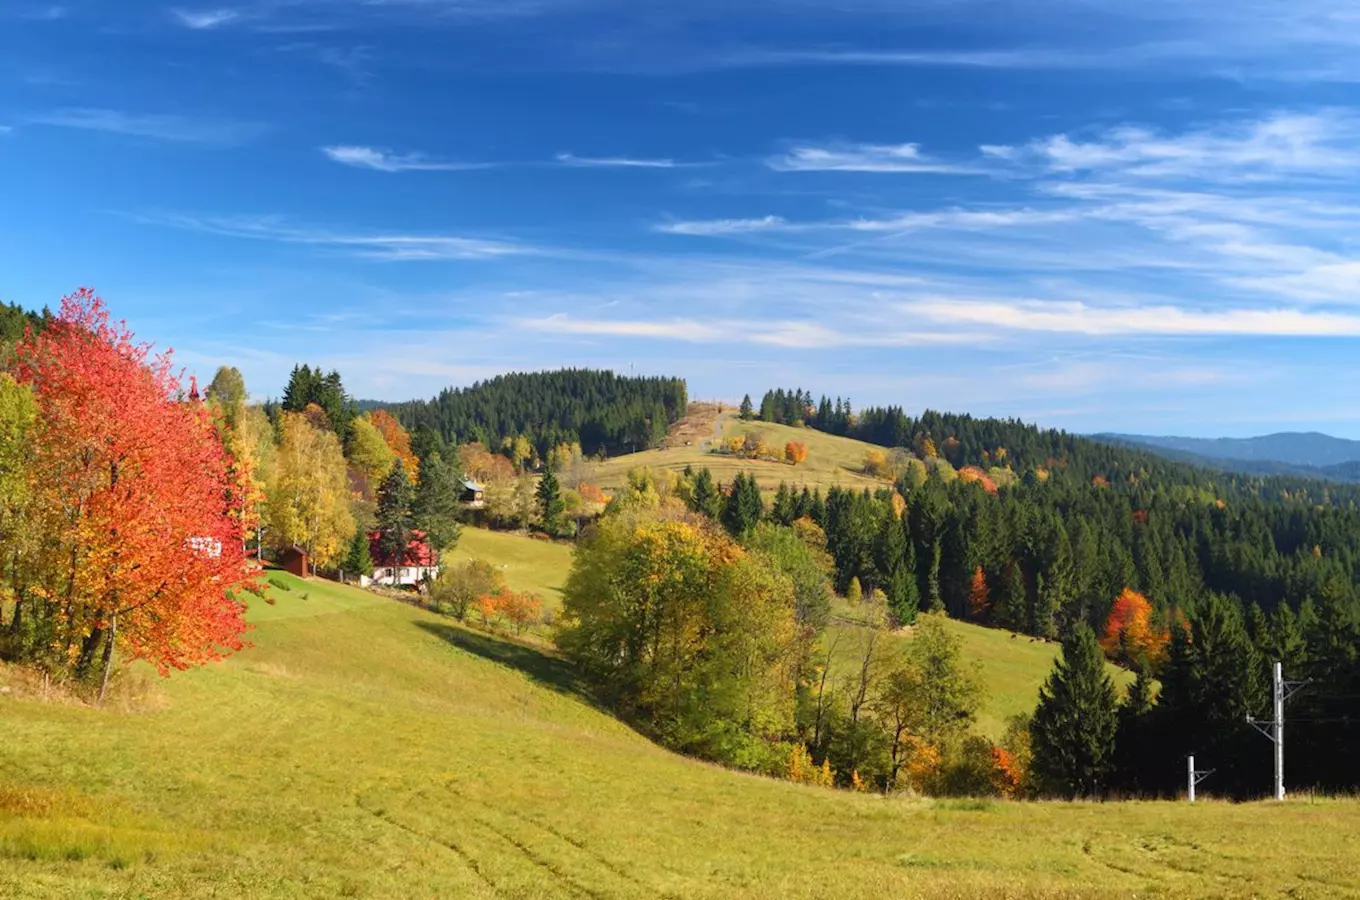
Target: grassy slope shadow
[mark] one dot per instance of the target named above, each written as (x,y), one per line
(544,668)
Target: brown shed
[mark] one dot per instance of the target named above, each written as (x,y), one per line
(294,559)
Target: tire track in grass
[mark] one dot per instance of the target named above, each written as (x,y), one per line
(596,857)
(467,858)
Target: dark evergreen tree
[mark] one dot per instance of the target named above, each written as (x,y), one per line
(748,411)
(1010,604)
(1134,739)
(1212,682)
(357,560)
(705,497)
(550,505)
(436,506)
(784,509)
(395,518)
(1073,730)
(744,507)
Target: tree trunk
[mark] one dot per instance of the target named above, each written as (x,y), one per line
(87,648)
(108,658)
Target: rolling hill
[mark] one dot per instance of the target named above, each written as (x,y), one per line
(366,748)
(1295,455)
(832,460)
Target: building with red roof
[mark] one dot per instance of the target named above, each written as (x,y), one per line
(418,564)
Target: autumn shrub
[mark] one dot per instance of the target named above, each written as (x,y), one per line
(801,769)
(521,610)
(460,586)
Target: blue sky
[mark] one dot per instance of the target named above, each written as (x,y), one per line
(1091,214)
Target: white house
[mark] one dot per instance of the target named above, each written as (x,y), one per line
(416,565)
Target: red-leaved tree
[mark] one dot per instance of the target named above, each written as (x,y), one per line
(142,546)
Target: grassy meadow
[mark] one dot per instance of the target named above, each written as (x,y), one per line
(529,564)
(366,748)
(832,460)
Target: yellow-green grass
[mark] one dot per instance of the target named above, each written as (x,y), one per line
(528,563)
(1010,668)
(831,460)
(366,748)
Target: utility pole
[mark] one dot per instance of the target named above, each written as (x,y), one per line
(1280,691)
(1194,777)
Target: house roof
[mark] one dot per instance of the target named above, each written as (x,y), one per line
(418,551)
(472,485)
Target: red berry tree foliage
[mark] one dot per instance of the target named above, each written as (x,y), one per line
(141,549)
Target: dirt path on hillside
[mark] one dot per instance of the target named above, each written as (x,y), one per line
(702,423)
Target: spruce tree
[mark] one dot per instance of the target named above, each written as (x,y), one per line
(1010,608)
(744,507)
(550,504)
(1073,731)
(1212,682)
(358,561)
(783,510)
(704,497)
(1133,738)
(436,508)
(747,409)
(395,519)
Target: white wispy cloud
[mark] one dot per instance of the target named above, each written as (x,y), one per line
(174,128)
(713,227)
(375,246)
(882,158)
(386,161)
(204,19)
(1285,144)
(622,162)
(794,334)
(1165,320)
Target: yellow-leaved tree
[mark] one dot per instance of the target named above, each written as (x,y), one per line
(686,634)
(308,502)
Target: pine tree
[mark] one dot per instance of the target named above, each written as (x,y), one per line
(436,507)
(704,497)
(395,519)
(904,598)
(1213,680)
(747,409)
(358,561)
(550,503)
(1010,609)
(783,510)
(744,507)
(1133,737)
(1073,731)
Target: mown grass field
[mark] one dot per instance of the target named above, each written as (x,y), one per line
(831,460)
(365,748)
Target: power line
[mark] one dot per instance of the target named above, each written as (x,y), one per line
(1273,729)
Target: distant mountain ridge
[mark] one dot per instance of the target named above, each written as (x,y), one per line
(1301,454)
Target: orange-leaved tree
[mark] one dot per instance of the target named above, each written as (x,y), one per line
(979,600)
(398,439)
(142,547)
(1130,634)
(795,452)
